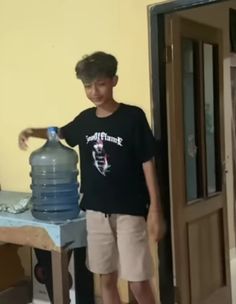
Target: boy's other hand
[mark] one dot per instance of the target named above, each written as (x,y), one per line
(156,225)
(23,138)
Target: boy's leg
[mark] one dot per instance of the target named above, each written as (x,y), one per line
(136,265)
(102,253)
(142,292)
(110,293)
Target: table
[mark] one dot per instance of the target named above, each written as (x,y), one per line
(24,229)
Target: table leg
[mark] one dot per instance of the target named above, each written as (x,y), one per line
(60,277)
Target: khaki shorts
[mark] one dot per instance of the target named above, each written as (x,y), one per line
(118,242)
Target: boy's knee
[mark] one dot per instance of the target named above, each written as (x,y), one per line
(109,280)
(138,288)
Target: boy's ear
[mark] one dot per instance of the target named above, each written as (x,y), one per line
(115,80)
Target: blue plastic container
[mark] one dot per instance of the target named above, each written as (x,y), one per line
(54,184)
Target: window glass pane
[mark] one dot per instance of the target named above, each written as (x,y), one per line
(189,119)
(209,117)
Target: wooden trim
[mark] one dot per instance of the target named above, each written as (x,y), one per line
(176,143)
(60,277)
(175,6)
(160,131)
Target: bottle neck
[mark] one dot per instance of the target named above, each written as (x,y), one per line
(52,133)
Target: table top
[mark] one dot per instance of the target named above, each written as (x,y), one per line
(24,229)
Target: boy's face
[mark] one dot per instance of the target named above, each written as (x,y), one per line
(100,90)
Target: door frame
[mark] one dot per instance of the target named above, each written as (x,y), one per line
(156,15)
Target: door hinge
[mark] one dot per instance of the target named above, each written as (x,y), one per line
(177,295)
(168,53)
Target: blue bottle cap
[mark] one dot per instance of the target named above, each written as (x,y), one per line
(53,130)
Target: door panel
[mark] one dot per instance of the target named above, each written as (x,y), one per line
(207,268)
(196,155)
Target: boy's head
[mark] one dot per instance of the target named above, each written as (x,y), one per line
(95,66)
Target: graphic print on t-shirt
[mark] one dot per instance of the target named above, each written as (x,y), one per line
(100,157)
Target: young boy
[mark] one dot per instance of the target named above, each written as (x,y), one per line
(118,181)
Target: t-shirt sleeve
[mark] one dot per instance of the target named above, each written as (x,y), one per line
(144,140)
(71,132)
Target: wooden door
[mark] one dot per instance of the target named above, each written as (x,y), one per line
(196,154)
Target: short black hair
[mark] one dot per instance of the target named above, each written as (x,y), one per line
(96,65)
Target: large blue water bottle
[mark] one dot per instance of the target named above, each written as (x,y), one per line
(54,180)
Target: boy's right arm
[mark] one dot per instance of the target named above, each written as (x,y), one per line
(32,132)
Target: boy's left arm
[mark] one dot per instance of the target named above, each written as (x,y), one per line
(155,220)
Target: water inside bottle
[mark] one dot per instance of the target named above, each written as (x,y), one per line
(54,173)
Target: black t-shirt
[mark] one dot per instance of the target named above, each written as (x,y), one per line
(112,150)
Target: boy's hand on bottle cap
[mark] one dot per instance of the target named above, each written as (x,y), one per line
(23,138)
